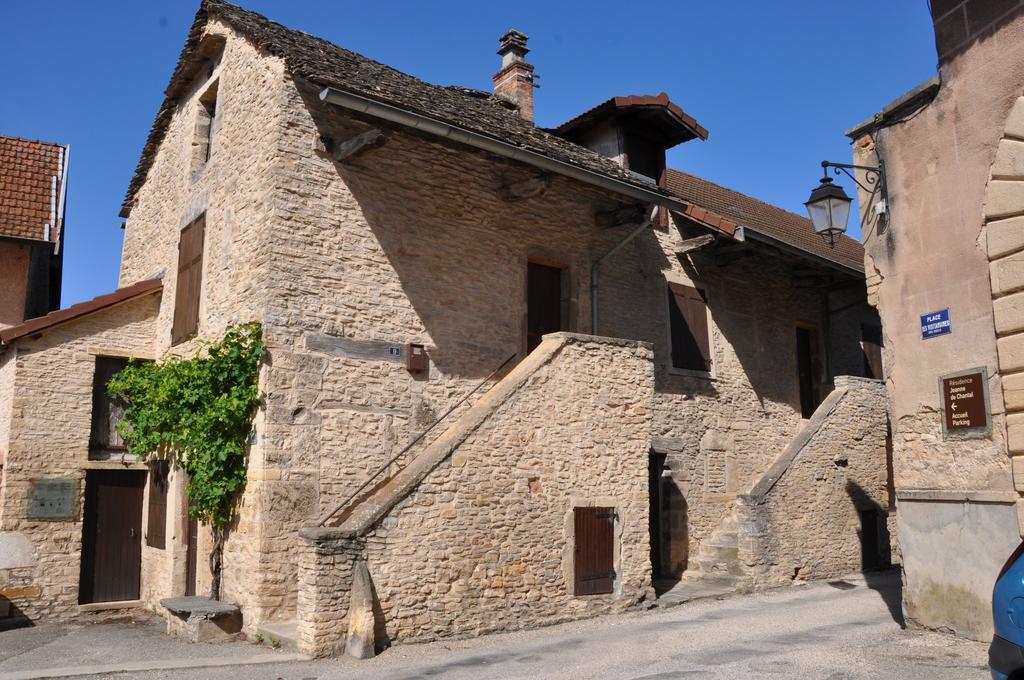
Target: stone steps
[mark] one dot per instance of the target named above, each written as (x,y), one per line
(717,562)
(285,632)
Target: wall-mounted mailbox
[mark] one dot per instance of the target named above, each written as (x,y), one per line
(415,358)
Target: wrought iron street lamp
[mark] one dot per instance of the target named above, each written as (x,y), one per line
(829,206)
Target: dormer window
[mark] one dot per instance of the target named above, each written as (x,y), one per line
(206,126)
(635,131)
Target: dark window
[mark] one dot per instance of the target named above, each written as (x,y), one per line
(104,440)
(206,127)
(688,325)
(544,302)
(871,342)
(190,281)
(156,524)
(595,550)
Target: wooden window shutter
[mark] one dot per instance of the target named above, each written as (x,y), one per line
(688,325)
(595,550)
(104,438)
(190,281)
(872,343)
(156,525)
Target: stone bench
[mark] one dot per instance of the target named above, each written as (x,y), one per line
(201,619)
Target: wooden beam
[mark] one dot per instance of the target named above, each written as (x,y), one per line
(349,149)
(523,189)
(691,244)
(629,214)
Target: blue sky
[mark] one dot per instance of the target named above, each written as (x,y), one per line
(776,84)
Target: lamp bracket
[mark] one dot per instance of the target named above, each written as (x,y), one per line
(873,184)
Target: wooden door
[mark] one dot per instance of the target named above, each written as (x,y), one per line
(808,364)
(191,556)
(543,303)
(111,536)
(595,552)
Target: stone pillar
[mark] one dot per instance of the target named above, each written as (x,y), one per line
(325,582)
(752,534)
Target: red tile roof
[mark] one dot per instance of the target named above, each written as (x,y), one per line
(81,309)
(765,218)
(32,175)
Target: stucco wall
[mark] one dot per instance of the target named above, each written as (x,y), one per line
(932,256)
(485,541)
(48,438)
(807,522)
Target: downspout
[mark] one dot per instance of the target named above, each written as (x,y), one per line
(597,264)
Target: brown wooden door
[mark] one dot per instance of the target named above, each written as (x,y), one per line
(871,342)
(191,557)
(808,368)
(543,303)
(111,536)
(595,553)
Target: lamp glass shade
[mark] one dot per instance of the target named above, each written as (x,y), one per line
(829,208)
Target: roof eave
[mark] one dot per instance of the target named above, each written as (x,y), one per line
(433,126)
(754,235)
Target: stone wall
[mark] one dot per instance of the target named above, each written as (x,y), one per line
(48,438)
(238,191)
(484,542)
(413,242)
(803,519)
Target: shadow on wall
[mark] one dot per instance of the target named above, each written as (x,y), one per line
(876,555)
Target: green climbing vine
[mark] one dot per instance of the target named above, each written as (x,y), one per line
(198,413)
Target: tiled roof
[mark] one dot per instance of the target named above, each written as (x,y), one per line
(328,65)
(764,218)
(636,100)
(31,177)
(33,326)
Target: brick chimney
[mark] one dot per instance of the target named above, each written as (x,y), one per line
(515,79)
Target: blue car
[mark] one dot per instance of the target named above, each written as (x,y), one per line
(1006,653)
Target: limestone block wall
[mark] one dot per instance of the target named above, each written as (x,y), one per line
(803,518)
(412,242)
(237,190)
(48,437)
(1004,238)
(484,542)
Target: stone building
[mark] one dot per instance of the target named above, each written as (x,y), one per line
(687,383)
(33,188)
(948,250)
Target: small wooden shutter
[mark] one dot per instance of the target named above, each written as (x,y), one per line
(688,321)
(156,525)
(104,438)
(872,343)
(595,552)
(190,281)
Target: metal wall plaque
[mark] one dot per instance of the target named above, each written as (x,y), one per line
(936,323)
(53,499)
(965,404)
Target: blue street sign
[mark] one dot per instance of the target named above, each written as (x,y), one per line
(936,323)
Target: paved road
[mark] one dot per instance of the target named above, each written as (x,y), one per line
(839,631)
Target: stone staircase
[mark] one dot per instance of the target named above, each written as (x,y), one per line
(717,561)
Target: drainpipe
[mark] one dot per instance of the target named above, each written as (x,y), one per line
(597,264)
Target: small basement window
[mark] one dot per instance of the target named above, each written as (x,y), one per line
(207,124)
(688,328)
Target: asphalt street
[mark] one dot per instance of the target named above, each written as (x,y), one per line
(838,630)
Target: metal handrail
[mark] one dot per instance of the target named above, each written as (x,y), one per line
(412,443)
